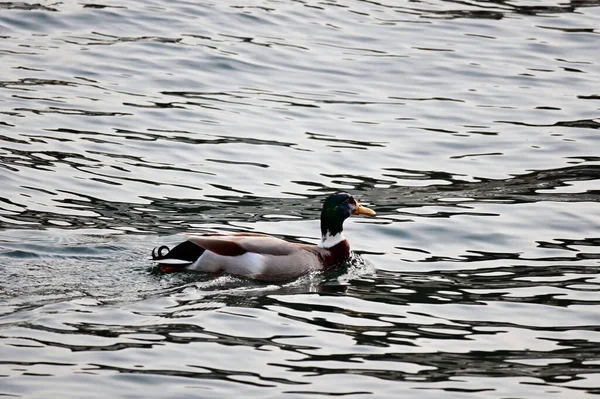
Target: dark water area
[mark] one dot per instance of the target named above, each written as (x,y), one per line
(470,127)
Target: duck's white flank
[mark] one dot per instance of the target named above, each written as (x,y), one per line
(329,241)
(248,264)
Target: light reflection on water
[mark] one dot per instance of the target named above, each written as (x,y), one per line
(470,129)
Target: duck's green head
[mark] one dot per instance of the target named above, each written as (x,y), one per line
(337,208)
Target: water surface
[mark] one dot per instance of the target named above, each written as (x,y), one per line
(470,127)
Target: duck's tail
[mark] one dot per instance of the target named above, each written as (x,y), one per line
(176,259)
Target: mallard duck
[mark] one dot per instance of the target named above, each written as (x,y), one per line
(264,257)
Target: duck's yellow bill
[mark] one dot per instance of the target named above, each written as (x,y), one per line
(363,210)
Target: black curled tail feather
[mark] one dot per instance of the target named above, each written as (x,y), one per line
(157,253)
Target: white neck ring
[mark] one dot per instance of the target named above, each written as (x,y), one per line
(329,241)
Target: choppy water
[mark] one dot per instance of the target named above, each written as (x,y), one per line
(471,128)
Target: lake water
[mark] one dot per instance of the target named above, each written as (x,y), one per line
(471,127)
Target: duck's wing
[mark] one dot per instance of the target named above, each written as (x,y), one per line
(256,256)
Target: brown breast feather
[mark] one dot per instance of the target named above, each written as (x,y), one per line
(331,257)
